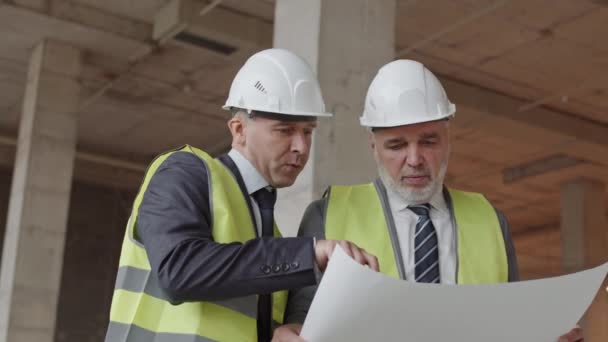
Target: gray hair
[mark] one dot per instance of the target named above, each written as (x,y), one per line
(240,111)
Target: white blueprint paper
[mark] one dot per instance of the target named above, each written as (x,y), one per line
(353,303)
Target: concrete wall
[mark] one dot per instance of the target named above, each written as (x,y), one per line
(95,230)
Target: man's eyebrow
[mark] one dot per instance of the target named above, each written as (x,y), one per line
(393,141)
(429,135)
(282,124)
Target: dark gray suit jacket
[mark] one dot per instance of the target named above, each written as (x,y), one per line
(175,226)
(313,225)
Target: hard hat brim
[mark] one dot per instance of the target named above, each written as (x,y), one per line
(293,113)
(371,124)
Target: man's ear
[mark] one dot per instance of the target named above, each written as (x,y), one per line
(371,139)
(237,126)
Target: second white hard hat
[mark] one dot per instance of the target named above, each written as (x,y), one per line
(277,81)
(405,92)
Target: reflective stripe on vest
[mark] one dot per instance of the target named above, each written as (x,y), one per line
(140,310)
(356,213)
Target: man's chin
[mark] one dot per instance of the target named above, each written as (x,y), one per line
(284,182)
(416,195)
(418,188)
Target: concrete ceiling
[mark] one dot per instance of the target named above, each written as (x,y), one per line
(529,77)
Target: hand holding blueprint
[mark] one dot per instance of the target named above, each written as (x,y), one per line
(354,303)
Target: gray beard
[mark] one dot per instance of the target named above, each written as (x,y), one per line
(411,195)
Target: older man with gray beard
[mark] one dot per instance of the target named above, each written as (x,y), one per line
(419,229)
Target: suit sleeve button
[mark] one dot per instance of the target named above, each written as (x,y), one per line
(295,265)
(265,269)
(276,268)
(285,267)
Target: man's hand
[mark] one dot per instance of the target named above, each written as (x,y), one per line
(324,249)
(575,335)
(288,333)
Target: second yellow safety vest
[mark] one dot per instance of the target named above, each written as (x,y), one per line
(359,214)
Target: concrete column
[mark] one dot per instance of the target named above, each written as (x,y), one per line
(346,42)
(37,218)
(585,244)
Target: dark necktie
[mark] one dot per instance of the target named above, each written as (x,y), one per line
(426,246)
(265,199)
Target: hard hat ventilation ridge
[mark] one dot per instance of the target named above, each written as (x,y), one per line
(260,87)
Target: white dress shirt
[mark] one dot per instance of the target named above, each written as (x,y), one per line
(253,180)
(405,223)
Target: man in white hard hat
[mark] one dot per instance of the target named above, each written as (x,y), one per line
(422,230)
(202,259)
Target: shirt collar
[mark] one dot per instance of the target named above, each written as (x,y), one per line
(398,203)
(252,178)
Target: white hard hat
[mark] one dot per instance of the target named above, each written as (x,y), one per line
(404,92)
(277,81)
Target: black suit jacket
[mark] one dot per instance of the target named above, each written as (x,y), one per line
(175,226)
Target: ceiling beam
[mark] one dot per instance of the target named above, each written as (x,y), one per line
(89,172)
(537,167)
(482,12)
(89,167)
(487,106)
(83,14)
(224,32)
(97,168)
(36,5)
(76,27)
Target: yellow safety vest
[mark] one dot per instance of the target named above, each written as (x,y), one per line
(356,213)
(139,310)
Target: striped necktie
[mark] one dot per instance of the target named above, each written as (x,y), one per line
(426,247)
